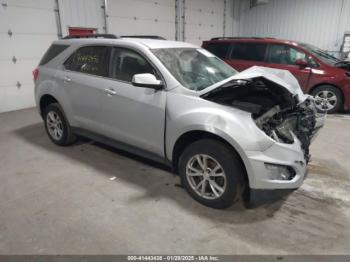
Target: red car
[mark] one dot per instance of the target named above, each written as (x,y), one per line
(319,74)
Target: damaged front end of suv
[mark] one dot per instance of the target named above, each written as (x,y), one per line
(276,103)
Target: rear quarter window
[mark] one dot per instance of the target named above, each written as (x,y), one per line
(218,49)
(52,52)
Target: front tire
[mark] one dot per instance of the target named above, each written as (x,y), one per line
(211,173)
(328,99)
(57,126)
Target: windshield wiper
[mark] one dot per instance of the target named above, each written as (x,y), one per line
(323,54)
(342,62)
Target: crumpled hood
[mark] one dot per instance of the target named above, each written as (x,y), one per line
(281,77)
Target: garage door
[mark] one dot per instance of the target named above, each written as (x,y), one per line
(26,30)
(203,19)
(141,17)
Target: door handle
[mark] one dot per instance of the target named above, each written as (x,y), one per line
(66,79)
(110,91)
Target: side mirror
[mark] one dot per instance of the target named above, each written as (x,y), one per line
(302,63)
(147,80)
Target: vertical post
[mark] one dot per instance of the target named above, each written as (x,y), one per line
(339,25)
(180,20)
(183,20)
(58,19)
(105,16)
(224,23)
(177,20)
(239,15)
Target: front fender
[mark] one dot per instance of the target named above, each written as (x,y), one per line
(191,113)
(214,131)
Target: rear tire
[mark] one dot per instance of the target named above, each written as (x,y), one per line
(57,125)
(211,173)
(328,99)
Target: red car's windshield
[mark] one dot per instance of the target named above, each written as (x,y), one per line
(321,54)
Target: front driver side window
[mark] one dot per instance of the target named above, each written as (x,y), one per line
(126,63)
(283,54)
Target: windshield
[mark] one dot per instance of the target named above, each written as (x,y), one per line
(321,54)
(194,68)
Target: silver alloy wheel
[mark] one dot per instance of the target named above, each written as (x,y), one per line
(54,125)
(206,176)
(325,100)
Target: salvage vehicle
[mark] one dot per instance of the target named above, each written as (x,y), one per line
(319,73)
(225,133)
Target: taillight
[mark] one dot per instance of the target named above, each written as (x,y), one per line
(35,74)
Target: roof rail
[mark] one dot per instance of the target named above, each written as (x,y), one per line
(240,37)
(110,36)
(144,36)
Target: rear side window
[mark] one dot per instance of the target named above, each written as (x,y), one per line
(126,63)
(218,49)
(91,60)
(249,51)
(52,52)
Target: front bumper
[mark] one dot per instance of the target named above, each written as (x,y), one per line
(289,155)
(280,154)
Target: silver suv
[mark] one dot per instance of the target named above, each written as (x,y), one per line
(224,132)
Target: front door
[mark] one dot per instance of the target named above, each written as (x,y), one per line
(133,115)
(285,57)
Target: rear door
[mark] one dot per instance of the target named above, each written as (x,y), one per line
(247,54)
(83,80)
(282,56)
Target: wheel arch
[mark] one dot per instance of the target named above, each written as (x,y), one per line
(46,100)
(192,136)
